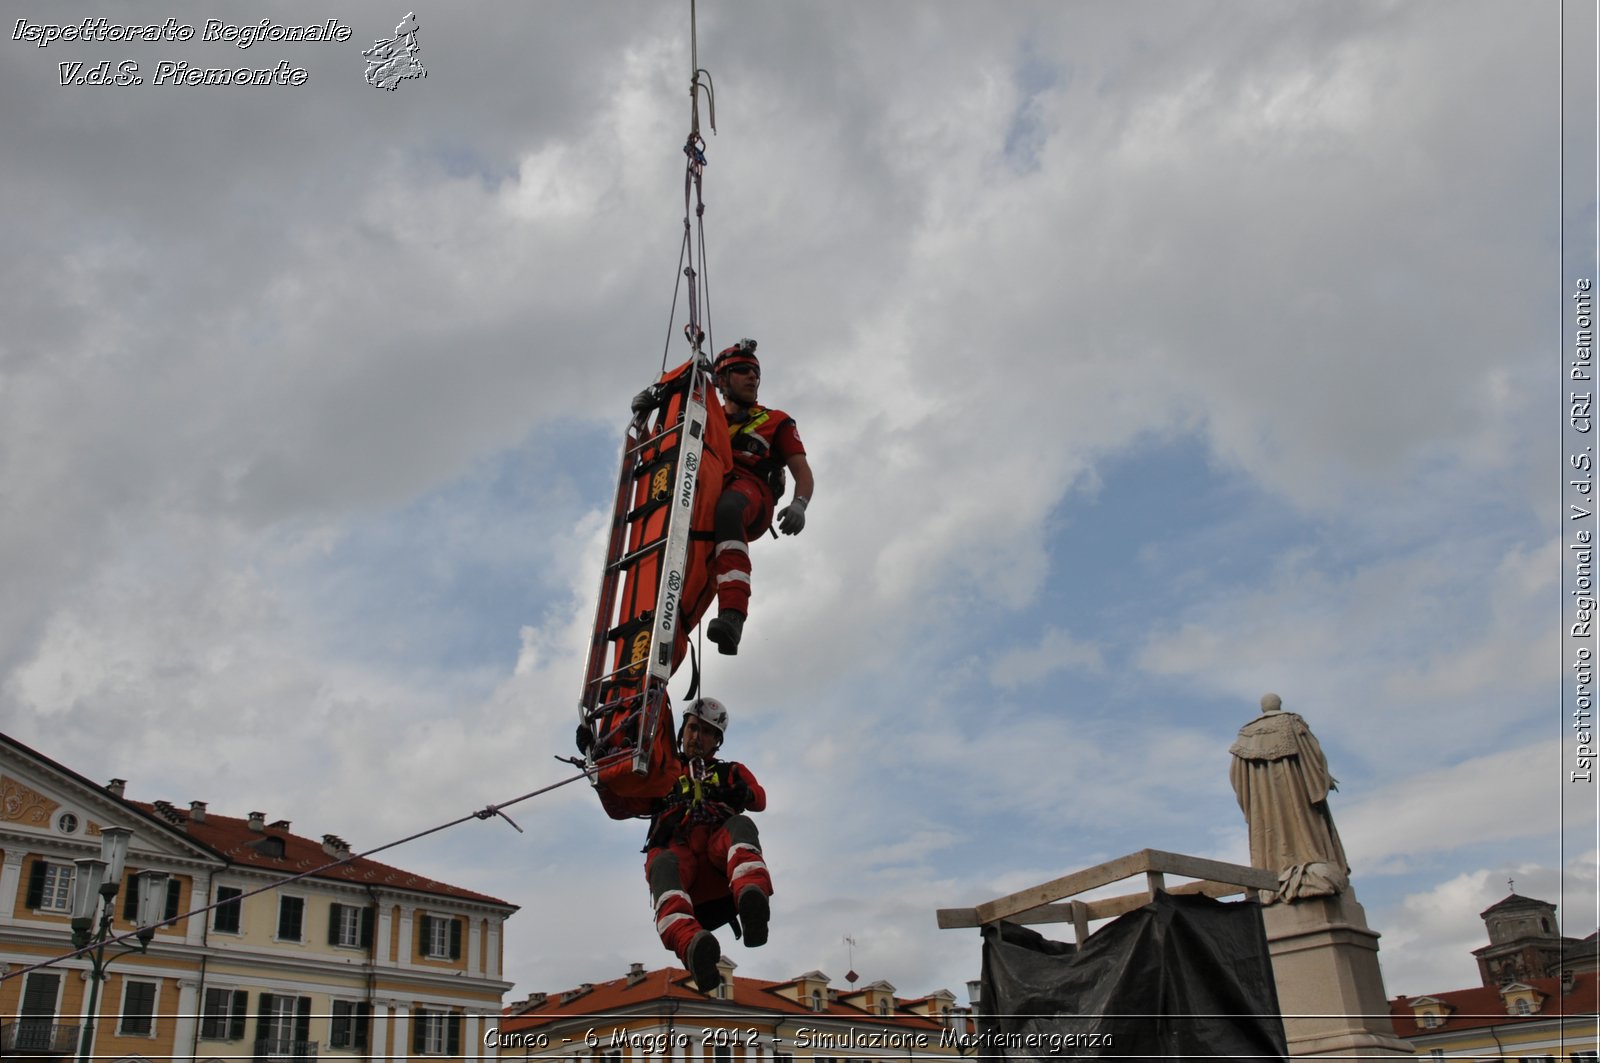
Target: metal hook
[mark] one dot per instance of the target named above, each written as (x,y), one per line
(695,85)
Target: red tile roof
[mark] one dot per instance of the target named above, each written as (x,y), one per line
(674,983)
(1483,1006)
(235,841)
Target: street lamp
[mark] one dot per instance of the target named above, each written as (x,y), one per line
(94,894)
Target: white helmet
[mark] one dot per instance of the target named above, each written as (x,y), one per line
(711,712)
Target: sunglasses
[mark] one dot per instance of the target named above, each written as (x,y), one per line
(742,369)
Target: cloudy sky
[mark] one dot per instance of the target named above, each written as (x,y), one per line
(1150,356)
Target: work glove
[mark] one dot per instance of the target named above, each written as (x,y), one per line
(793,516)
(585,738)
(739,795)
(645,401)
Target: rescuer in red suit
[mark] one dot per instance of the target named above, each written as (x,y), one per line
(704,860)
(766,447)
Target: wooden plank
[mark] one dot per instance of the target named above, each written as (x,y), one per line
(1216,890)
(1214,870)
(1040,904)
(1065,886)
(963,918)
(1080,922)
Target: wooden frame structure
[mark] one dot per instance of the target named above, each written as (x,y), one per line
(1051,901)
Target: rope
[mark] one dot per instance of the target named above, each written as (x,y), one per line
(694,205)
(487,812)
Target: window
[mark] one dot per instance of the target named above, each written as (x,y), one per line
(783,1057)
(283,1025)
(722,1053)
(1520,1006)
(222,1016)
(1437,1053)
(351,1021)
(291,914)
(225,916)
(130,898)
(883,1007)
(67,824)
(1430,1020)
(439,938)
(350,926)
(138,1008)
(35,1026)
(435,1033)
(50,887)
(1585,1057)
(816,1000)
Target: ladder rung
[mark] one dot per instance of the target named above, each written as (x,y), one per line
(627,559)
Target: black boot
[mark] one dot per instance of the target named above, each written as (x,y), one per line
(701,959)
(754,911)
(725,631)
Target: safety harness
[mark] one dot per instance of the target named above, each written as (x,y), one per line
(752,447)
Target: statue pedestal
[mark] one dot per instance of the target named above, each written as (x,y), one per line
(1330,990)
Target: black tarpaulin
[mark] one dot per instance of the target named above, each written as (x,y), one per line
(1184,977)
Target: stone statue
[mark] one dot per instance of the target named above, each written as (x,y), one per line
(1282,782)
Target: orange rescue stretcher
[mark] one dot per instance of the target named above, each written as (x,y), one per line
(656,586)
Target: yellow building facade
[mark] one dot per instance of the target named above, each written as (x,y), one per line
(279,947)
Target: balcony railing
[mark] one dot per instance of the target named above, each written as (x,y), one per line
(38,1037)
(283,1050)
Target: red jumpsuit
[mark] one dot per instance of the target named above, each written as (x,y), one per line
(763,443)
(703,851)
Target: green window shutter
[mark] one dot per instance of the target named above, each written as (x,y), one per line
(363,1023)
(339,1025)
(241,1004)
(422,935)
(453,1037)
(225,916)
(174,889)
(419,1028)
(291,914)
(333,923)
(212,1014)
(455,939)
(263,1016)
(36,883)
(138,1005)
(368,917)
(130,895)
(302,1020)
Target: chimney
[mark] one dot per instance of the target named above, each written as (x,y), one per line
(280,824)
(635,974)
(258,821)
(334,845)
(536,1000)
(116,786)
(197,811)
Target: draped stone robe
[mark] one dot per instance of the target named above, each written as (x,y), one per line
(1281,778)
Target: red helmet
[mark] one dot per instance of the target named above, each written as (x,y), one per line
(741,353)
